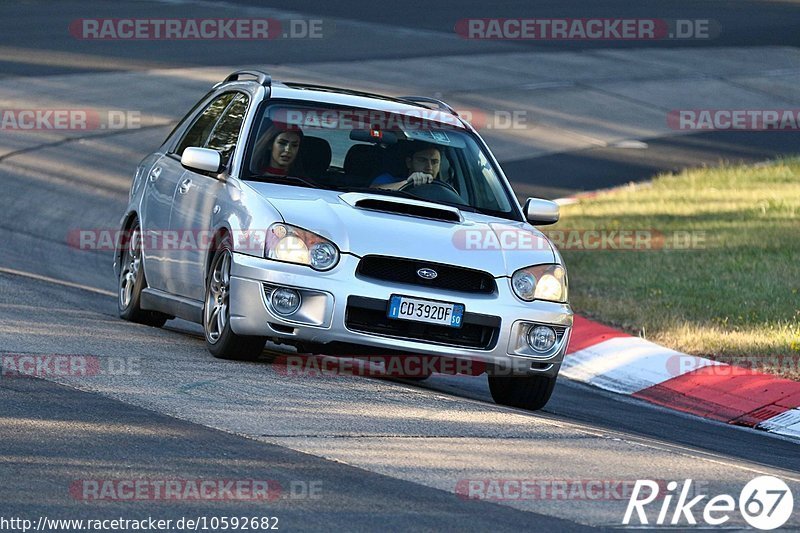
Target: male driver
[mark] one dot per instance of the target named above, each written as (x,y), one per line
(423,167)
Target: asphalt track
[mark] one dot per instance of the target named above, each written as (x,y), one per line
(388,454)
(741,22)
(35,42)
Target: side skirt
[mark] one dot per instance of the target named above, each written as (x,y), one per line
(185,308)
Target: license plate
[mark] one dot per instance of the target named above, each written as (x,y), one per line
(428,311)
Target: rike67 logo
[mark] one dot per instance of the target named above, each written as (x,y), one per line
(765,503)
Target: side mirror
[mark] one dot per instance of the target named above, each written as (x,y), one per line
(541,212)
(202,160)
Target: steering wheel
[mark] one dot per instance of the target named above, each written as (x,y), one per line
(436,190)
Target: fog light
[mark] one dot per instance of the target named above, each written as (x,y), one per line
(285,301)
(541,338)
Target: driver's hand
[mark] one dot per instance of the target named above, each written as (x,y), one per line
(419,178)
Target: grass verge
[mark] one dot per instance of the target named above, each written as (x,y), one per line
(706,262)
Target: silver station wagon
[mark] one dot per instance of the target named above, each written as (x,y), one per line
(344,223)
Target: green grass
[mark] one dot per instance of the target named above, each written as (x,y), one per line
(735,293)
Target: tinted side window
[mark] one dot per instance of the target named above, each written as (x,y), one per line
(201,129)
(226,134)
(186,118)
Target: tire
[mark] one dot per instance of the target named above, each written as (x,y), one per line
(220,340)
(132,281)
(525,392)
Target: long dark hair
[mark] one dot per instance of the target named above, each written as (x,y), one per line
(262,152)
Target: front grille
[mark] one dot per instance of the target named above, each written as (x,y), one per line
(368,315)
(405,271)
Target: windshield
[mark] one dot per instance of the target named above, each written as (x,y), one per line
(347,149)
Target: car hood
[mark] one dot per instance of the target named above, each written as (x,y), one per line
(477,241)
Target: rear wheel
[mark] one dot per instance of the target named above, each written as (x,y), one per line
(132,282)
(220,340)
(526,392)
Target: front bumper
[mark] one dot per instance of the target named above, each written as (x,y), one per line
(500,320)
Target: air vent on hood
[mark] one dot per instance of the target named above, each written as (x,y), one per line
(414,210)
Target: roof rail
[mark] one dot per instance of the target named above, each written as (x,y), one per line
(413,99)
(427,100)
(329,88)
(261,77)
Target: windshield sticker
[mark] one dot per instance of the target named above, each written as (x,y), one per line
(440,136)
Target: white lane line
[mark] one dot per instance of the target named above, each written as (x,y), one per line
(548,85)
(629,145)
(55,281)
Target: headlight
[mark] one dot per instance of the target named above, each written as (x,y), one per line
(295,245)
(541,282)
(524,284)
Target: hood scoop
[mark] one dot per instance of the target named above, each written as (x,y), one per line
(409,208)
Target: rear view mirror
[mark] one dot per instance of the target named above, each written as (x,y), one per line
(373,136)
(541,212)
(202,160)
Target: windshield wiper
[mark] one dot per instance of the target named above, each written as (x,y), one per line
(295,180)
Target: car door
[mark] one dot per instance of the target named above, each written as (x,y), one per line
(162,183)
(196,198)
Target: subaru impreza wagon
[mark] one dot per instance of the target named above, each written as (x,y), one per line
(344,223)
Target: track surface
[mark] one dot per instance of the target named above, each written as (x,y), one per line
(36,42)
(386,454)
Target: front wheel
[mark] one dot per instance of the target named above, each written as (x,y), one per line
(220,340)
(526,392)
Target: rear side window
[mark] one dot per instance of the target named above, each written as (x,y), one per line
(226,134)
(201,129)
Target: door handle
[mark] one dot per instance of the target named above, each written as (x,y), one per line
(155,174)
(184,187)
